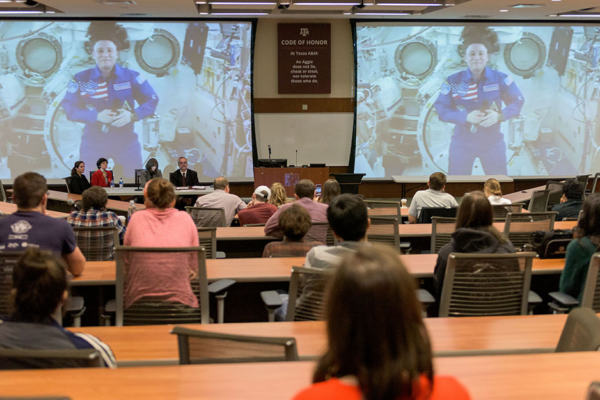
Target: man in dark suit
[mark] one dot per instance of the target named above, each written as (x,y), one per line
(184,177)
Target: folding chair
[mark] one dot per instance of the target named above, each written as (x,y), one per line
(206,217)
(208,240)
(486,285)
(501,210)
(519,228)
(562,302)
(11,359)
(3,193)
(441,232)
(148,310)
(97,243)
(68,183)
(581,332)
(539,201)
(385,208)
(201,347)
(428,212)
(556,192)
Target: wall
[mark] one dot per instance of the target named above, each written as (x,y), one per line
(323,133)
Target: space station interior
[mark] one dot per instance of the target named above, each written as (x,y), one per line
(401,71)
(199,71)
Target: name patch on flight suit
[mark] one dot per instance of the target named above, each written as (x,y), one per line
(491,88)
(122,86)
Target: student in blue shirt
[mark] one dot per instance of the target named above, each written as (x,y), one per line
(39,291)
(477,100)
(104,99)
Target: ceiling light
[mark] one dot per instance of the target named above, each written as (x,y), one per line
(239,14)
(528,6)
(503,10)
(383,14)
(21,12)
(580,15)
(329,4)
(200,2)
(383,3)
(243,3)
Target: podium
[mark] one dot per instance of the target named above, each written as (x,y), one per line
(349,182)
(288,177)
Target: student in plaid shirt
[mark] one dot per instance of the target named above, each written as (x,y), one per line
(94,212)
(294,223)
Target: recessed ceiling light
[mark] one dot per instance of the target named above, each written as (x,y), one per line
(503,10)
(528,6)
(580,15)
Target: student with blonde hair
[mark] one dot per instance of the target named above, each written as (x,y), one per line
(493,191)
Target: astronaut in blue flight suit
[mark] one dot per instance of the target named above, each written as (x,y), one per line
(103,98)
(473,100)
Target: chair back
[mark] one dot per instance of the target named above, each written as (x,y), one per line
(320,232)
(138,176)
(539,201)
(8,260)
(97,243)
(206,217)
(486,285)
(208,240)
(68,183)
(385,230)
(583,180)
(595,186)
(200,347)
(441,232)
(11,359)
(428,212)
(518,228)
(307,303)
(155,268)
(591,290)
(251,225)
(581,332)
(381,208)
(556,192)
(501,210)
(3,193)
(594,391)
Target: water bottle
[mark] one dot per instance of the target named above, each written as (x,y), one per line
(121,183)
(131,209)
(112,185)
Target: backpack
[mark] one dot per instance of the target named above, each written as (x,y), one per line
(551,244)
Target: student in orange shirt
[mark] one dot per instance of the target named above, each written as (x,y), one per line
(378,344)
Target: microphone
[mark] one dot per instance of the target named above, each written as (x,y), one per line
(484,106)
(296,157)
(73,204)
(269,151)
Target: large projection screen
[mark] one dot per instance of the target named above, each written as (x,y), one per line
(424,92)
(172,89)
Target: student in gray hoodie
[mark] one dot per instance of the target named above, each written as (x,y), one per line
(475,233)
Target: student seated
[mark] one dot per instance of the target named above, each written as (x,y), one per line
(580,250)
(475,233)
(278,195)
(331,189)
(295,223)
(94,213)
(493,191)
(378,347)
(347,215)
(161,225)
(571,200)
(39,291)
(432,197)
(259,210)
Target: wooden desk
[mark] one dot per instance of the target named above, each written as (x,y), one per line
(387,211)
(154,345)
(98,273)
(515,377)
(111,204)
(523,195)
(9,208)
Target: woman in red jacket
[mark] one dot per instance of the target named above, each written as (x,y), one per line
(102,177)
(378,344)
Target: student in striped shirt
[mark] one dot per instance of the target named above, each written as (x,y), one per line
(39,291)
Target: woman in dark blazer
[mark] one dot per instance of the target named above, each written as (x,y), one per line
(79,182)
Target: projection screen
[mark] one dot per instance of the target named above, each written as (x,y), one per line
(171,89)
(477,100)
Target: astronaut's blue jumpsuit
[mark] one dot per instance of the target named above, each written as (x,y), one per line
(460,95)
(89,94)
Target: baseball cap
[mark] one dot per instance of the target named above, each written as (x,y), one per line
(259,191)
